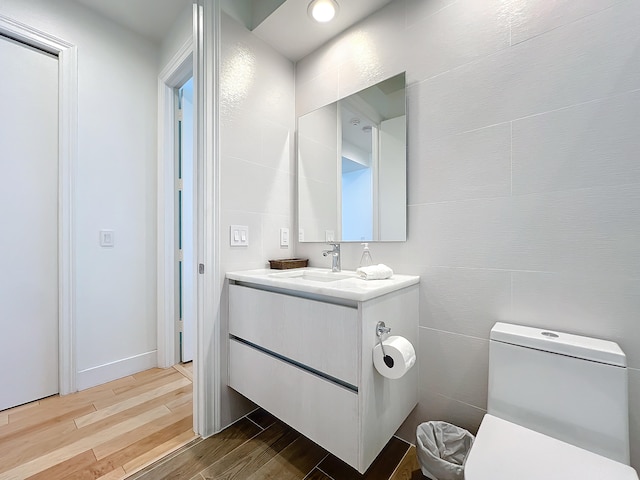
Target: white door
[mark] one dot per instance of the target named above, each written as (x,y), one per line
(28,224)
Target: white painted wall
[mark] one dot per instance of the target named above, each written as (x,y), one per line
(256,168)
(115,289)
(524,180)
(180,32)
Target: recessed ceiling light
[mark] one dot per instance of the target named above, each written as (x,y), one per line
(322,10)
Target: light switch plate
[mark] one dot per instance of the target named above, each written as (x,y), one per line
(301,235)
(329,236)
(107,238)
(284,237)
(239,235)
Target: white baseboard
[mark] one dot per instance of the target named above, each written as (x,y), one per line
(112,371)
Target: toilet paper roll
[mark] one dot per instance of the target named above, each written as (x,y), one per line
(401,352)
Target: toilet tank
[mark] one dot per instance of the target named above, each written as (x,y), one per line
(569,387)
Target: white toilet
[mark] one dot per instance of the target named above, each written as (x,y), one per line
(557,409)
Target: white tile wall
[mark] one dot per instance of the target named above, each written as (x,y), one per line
(256,143)
(458,34)
(455,366)
(523,163)
(587,145)
(320,90)
(634,416)
(436,406)
(534,17)
(251,187)
(463,166)
(577,63)
(418,10)
(581,304)
(463,300)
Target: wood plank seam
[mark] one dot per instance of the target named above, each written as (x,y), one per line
(56,456)
(129,403)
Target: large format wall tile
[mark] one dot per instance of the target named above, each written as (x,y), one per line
(471,234)
(251,187)
(464,301)
(534,17)
(455,366)
(458,167)
(580,62)
(317,92)
(373,50)
(586,231)
(418,10)
(592,144)
(433,406)
(599,306)
(458,34)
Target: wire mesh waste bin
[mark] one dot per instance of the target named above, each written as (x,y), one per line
(442,450)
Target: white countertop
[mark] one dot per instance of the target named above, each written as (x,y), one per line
(348,285)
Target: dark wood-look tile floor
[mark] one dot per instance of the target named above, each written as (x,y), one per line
(260,447)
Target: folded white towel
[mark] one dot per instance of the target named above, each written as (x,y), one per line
(375,272)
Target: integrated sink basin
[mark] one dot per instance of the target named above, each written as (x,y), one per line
(345,285)
(314,276)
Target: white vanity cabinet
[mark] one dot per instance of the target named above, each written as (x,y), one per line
(306,357)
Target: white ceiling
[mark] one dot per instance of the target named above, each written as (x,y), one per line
(288,29)
(150,18)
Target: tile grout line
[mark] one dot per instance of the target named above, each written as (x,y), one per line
(401,460)
(255,423)
(511,157)
(318,467)
(153,465)
(323,472)
(239,446)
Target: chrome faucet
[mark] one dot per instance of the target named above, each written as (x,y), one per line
(335,256)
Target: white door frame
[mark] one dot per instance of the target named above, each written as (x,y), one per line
(204,50)
(207,388)
(67,155)
(178,70)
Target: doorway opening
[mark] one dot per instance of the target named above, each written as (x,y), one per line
(185,227)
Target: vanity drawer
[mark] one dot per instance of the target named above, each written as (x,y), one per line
(316,334)
(325,412)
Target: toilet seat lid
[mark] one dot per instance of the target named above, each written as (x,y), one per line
(505,451)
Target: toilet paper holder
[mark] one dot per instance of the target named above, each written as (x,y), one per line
(381,329)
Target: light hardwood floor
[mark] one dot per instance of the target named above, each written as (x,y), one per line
(107,432)
(140,428)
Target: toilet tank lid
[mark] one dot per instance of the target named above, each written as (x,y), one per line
(577,346)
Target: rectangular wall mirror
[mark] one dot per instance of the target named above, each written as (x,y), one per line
(352,167)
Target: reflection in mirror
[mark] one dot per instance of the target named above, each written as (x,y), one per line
(352,167)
